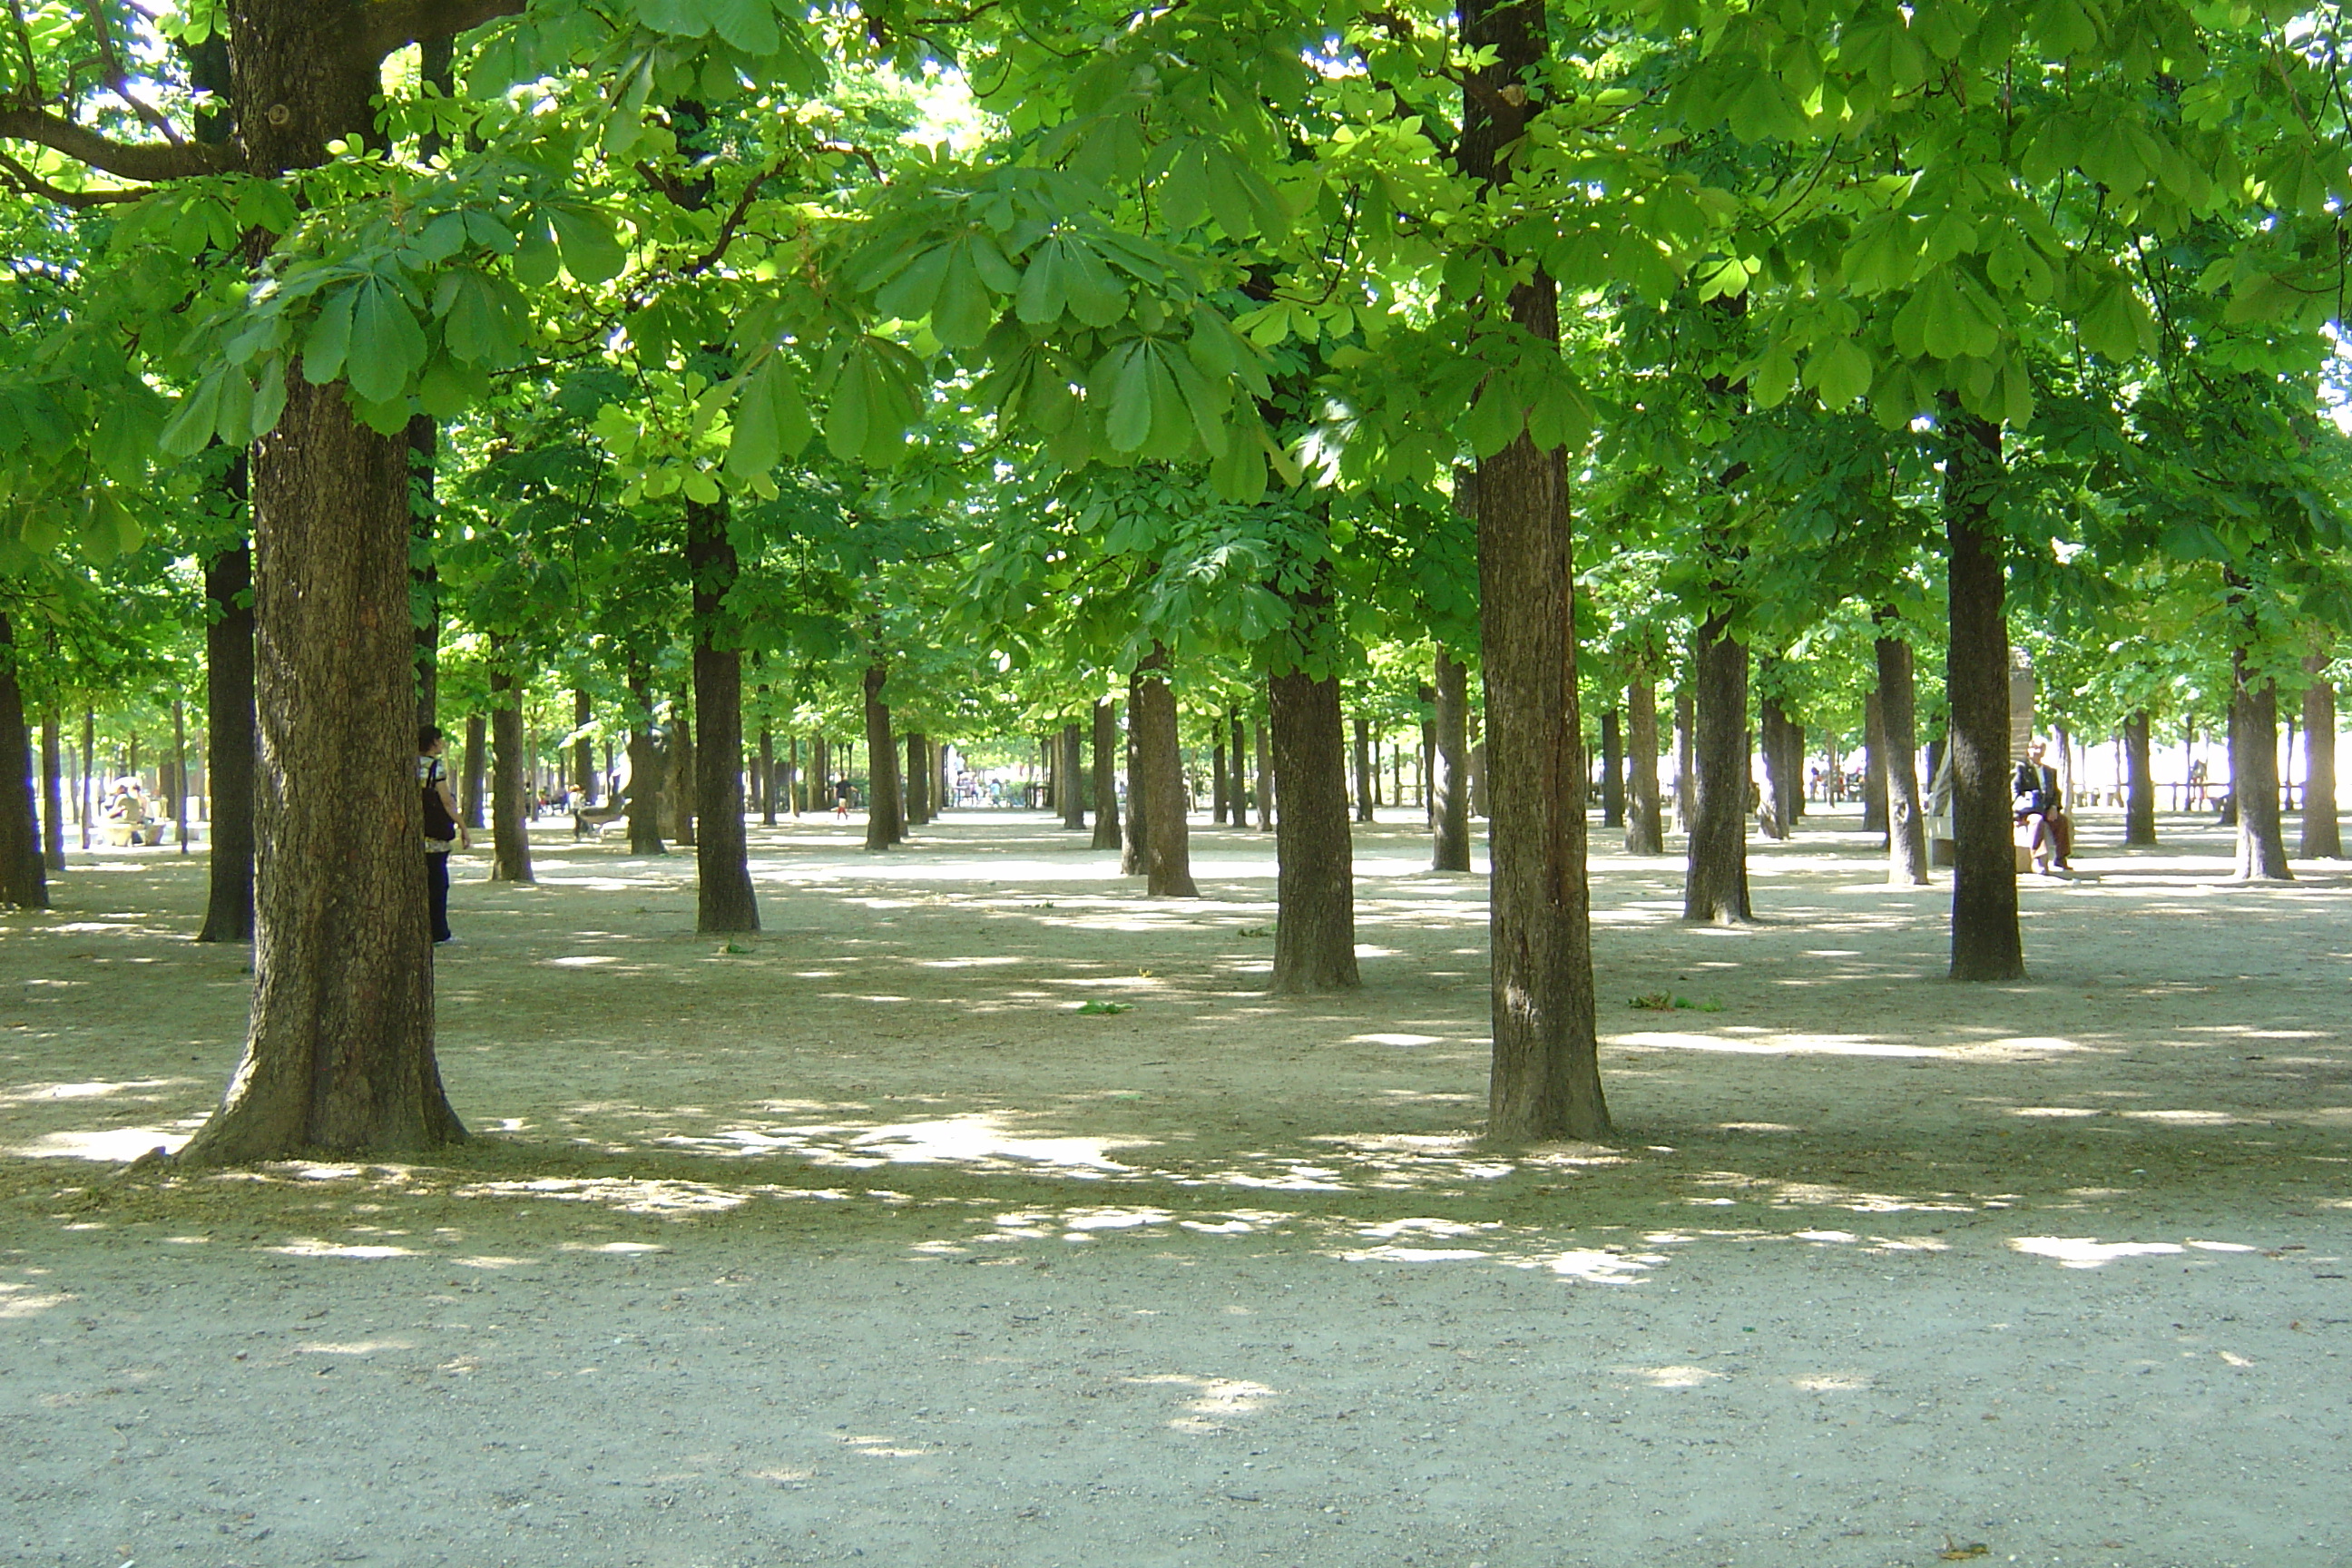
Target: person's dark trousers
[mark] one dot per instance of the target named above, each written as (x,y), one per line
(437,893)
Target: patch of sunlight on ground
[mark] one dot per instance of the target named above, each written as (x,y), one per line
(2087,1252)
(311,1247)
(33,1093)
(977,1138)
(116,1145)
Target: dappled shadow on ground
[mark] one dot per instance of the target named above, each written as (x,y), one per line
(995,1011)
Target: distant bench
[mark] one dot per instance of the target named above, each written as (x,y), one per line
(590,822)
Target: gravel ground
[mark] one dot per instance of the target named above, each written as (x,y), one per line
(860,1244)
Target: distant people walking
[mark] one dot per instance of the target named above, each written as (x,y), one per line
(443,831)
(2037,805)
(841,793)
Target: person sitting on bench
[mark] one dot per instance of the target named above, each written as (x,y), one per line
(2039,806)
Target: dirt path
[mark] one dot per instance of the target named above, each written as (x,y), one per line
(858,1237)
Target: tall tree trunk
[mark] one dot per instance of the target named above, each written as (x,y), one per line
(1686,785)
(724,901)
(1874,764)
(1613,772)
(1451,848)
(767,784)
(510,774)
(882,803)
(339,1057)
(1315,933)
(584,749)
(1645,826)
(53,796)
(475,783)
(1779,818)
(229,742)
(1715,881)
(2139,784)
(1239,788)
(1906,829)
(1427,762)
(1265,788)
(1106,763)
(919,779)
(87,803)
(2254,773)
(1545,1079)
(1134,860)
(2322,839)
(679,786)
(23,882)
(1073,764)
(424,436)
(819,787)
(178,795)
(1219,791)
(1364,791)
(1168,866)
(1985,944)
(646,764)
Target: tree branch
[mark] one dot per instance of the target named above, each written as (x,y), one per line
(15,175)
(129,160)
(734,220)
(389,25)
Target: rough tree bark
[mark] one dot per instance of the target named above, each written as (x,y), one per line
(510,782)
(53,796)
(1237,785)
(1613,772)
(423,437)
(1985,944)
(882,800)
(1645,826)
(1906,829)
(1315,935)
(767,784)
(645,762)
(229,743)
(1450,846)
(2254,775)
(1074,800)
(2139,785)
(679,785)
(23,882)
(1714,882)
(1685,717)
(2322,837)
(1105,767)
(918,778)
(1363,735)
(1168,865)
(340,1055)
(1134,860)
(1263,788)
(1545,1079)
(724,901)
(1219,789)
(1778,820)
(1874,764)
(473,787)
(583,750)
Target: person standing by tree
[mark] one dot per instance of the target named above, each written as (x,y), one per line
(443,831)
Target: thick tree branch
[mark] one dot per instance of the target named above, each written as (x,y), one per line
(389,25)
(129,160)
(15,175)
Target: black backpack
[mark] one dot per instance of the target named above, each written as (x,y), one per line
(438,823)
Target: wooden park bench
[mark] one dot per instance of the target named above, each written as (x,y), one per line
(590,822)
